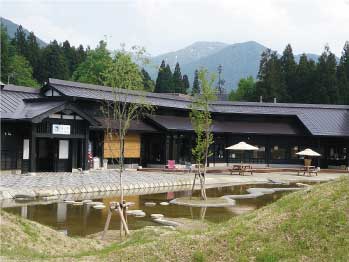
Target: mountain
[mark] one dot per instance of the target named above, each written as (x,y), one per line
(12,28)
(238,60)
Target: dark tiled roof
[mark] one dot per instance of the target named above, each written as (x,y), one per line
(136,125)
(234,127)
(322,120)
(11,100)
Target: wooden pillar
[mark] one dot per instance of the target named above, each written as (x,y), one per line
(74,153)
(85,149)
(167,148)
(174,147)
(33,149)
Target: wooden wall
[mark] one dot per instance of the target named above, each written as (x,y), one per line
(132,146)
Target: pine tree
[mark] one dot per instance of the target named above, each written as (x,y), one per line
(148,83)
(160,79)
(343,76)
(305,80)
(327,91)
(20,41)
(168,80)
(177,80)
(54,63)
(196,84)
(186,85)
(32,54)
(288,67)
(5,45)
(271,83)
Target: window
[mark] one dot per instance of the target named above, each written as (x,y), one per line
(278,152)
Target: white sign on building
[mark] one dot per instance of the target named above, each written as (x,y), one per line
(60,129)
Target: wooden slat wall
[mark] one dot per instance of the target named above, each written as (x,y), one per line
(132,146)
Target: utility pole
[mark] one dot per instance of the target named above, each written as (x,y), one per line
(220,81)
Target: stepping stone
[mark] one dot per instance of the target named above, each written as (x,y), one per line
(150,204)
(131,212)
(99,206)
(154,216)
(164,203)
(140,214)
(78,204)
(95,203)
(86,201)
(69,201)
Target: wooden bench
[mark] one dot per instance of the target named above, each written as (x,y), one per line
(308,170)
(241,169)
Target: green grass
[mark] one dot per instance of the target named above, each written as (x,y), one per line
(302,226)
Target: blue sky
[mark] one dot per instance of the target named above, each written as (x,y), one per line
(168,25)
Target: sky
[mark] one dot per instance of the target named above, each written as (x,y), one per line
(168,25)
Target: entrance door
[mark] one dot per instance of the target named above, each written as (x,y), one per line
(54,155)
(47,152)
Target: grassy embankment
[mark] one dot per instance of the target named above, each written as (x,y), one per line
(302,226)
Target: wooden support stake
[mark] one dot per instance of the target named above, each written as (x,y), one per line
(122,219)
(192,189)
(106,226)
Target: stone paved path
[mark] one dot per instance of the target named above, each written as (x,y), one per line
(49,184)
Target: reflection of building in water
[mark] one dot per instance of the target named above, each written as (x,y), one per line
(24,211)
(61,212)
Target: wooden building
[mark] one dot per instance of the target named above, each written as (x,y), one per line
(61,127)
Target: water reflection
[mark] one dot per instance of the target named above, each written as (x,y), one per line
(84,220)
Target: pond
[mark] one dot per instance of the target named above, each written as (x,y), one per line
(84,220)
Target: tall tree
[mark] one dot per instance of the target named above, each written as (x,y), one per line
(288,68)
(5,54)
(148,83)
(93,69)
(186,84)
(20,72)
(54,63)
(32,54)
(305,80)
(159,85)
(327,91)
(271,83)
(177,80)
(20,41)
(196,85)
(343,76)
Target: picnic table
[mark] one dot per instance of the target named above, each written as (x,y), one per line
(242,169)
(308,170)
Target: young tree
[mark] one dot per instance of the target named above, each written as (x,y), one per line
(20,72)
(186,85)
(202,123)
(126,80)
(196,84)
(93,69)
